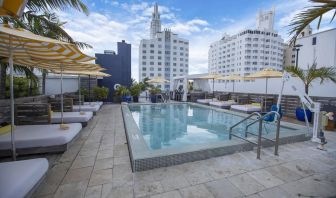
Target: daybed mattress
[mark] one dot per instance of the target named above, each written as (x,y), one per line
(222,104)
(93,107)
(205,101)
(100,103)
(246,108)
(18,178)
(71,117)
(32,136)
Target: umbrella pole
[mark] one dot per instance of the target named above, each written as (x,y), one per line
(12,103)
(213,88)
(233,84)
(61,94)
(90,88)
(79,93)
(266,94)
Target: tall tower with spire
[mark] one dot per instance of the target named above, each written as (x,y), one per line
(155,23)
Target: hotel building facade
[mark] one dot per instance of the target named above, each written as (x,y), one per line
(248,51)
(164,55)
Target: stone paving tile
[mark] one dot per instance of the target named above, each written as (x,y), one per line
(121,160)
(107,153)
(124,192)
(198,191)
(81,162)
(174,183)
(283,173)
(105,163)
(120,150)
(223,188)
(77,175)
(275,192)
(100,177)
(144,189)
(72,190)
(265,178)
(171,194)
(246,184)
(93,191)
(198,177)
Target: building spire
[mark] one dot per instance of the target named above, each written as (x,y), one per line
(155,23)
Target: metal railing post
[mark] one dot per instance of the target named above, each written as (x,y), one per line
(259,138)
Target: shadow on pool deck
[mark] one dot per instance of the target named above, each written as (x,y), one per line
(98,165)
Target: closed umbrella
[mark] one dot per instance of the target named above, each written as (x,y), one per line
(13,8)
(266,73)
(233,77)
(16,44)
(213,76)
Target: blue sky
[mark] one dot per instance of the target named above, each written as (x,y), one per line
(200,21)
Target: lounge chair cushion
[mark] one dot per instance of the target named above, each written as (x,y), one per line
(32,136)
(206,101)
(90,107)
(222,103)
(100,103)
(18,178)
(246,108)
(71,117)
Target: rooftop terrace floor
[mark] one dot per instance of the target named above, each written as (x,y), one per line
(98,165)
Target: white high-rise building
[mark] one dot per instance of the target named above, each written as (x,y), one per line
(319,47)
(248,51)
(164,54)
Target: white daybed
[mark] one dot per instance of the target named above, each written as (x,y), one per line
(222,104)
(72,117)
(248,108)
(30,139)
(206,101)
(89,107)
(100,103)
(21,178)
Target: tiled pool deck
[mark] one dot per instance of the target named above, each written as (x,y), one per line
(98,165)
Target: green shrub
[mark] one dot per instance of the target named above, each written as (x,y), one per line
(100,93)
(122,91)
(21,87)
(135,89)
(154,90)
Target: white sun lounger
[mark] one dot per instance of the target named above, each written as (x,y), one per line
(72,117)
(246,108)
(30,139)
(222,104)
(100,103)
(206,101)
(90,107)
(21,178)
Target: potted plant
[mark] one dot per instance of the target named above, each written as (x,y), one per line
(153,92)
(123,93)
(135,91)
(307,77)
(100,93)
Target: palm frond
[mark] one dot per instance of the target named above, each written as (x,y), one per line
(28,72)
(49,5)
(304,18)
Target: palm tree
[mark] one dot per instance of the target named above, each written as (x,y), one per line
(45,24)
(313,73)
(304,18)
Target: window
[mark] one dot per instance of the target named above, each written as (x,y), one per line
(143,57)
(144,51)
(143,45)
(144,75)
(152,51)
(314,41)
(144,63)
(151,69)
(144,69)
(159,69)
(159,39)
(159,52)
(159,63)
(151,63)
(151,57)
(151,45)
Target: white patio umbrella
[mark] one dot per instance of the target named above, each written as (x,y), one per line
(266,73)
(18,44)
(233,77)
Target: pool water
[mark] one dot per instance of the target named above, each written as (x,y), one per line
(177,125)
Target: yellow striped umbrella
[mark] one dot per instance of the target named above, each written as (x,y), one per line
(23,44)
(17,44)
(157,80)
(12,8)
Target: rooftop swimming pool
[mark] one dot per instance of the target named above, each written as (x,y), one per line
(173,133)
